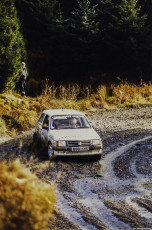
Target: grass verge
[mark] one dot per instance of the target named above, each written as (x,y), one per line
(19,113)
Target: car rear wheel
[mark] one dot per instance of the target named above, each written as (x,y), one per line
(36,141)
(35,138)
(36,145)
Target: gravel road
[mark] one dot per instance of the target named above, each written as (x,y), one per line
(113,193)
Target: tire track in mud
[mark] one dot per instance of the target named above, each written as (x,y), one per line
(117,202)
(112,201)
(136,180)
(114,193)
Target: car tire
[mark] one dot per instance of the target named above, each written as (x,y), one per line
(35,139)
(50,152)
(35,145)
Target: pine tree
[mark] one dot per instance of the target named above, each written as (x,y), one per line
(12,47)
(60,21)
(83,22)
(129,18)
(105,12)
(126,34)
(37,13)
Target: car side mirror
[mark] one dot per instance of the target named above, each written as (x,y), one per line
(91,124)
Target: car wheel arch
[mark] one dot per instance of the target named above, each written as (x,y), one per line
(50,153)
(49,143)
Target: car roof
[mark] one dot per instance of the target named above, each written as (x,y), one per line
(52,112)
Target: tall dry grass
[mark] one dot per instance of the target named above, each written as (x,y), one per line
(121,95)
(20,113)
(126,93)
(16,114)
(68,92)
(25,202)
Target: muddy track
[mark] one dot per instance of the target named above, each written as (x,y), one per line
(113,193)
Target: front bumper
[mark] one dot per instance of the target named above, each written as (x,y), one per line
(69,152)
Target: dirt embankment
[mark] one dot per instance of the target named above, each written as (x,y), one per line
(113,193)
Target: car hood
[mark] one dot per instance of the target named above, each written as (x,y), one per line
(74,134)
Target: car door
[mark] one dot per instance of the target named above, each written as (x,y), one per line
(39,125)
(45,130)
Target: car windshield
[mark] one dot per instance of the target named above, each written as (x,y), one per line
(69,122)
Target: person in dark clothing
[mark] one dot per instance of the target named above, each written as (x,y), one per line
(23,79)
(56,124)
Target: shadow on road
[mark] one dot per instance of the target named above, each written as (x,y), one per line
(41,154)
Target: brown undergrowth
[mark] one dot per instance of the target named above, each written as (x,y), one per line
(19,113)
(25,202)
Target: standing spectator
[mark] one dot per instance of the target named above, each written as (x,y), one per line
(23,79)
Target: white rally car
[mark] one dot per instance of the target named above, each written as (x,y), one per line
(67,132)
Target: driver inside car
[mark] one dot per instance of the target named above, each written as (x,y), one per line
(56,124)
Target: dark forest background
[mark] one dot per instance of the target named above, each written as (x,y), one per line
(76,41)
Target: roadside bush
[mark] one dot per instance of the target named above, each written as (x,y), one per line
(3,128)
(25,202)
(15,113)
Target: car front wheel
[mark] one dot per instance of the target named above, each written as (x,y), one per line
(50,151)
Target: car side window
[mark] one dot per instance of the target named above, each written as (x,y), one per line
(41,118)
(46,122)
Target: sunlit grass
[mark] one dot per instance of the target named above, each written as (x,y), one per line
(25,202)
(19,113)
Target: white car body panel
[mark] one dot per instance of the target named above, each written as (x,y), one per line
(73,134)
(81,138)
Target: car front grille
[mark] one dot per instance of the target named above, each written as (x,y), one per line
(78,143)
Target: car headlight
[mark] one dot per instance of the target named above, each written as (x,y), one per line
(58,143)
(53,143)
(96,142)
(61,143)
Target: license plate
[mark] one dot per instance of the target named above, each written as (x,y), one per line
(80,149)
